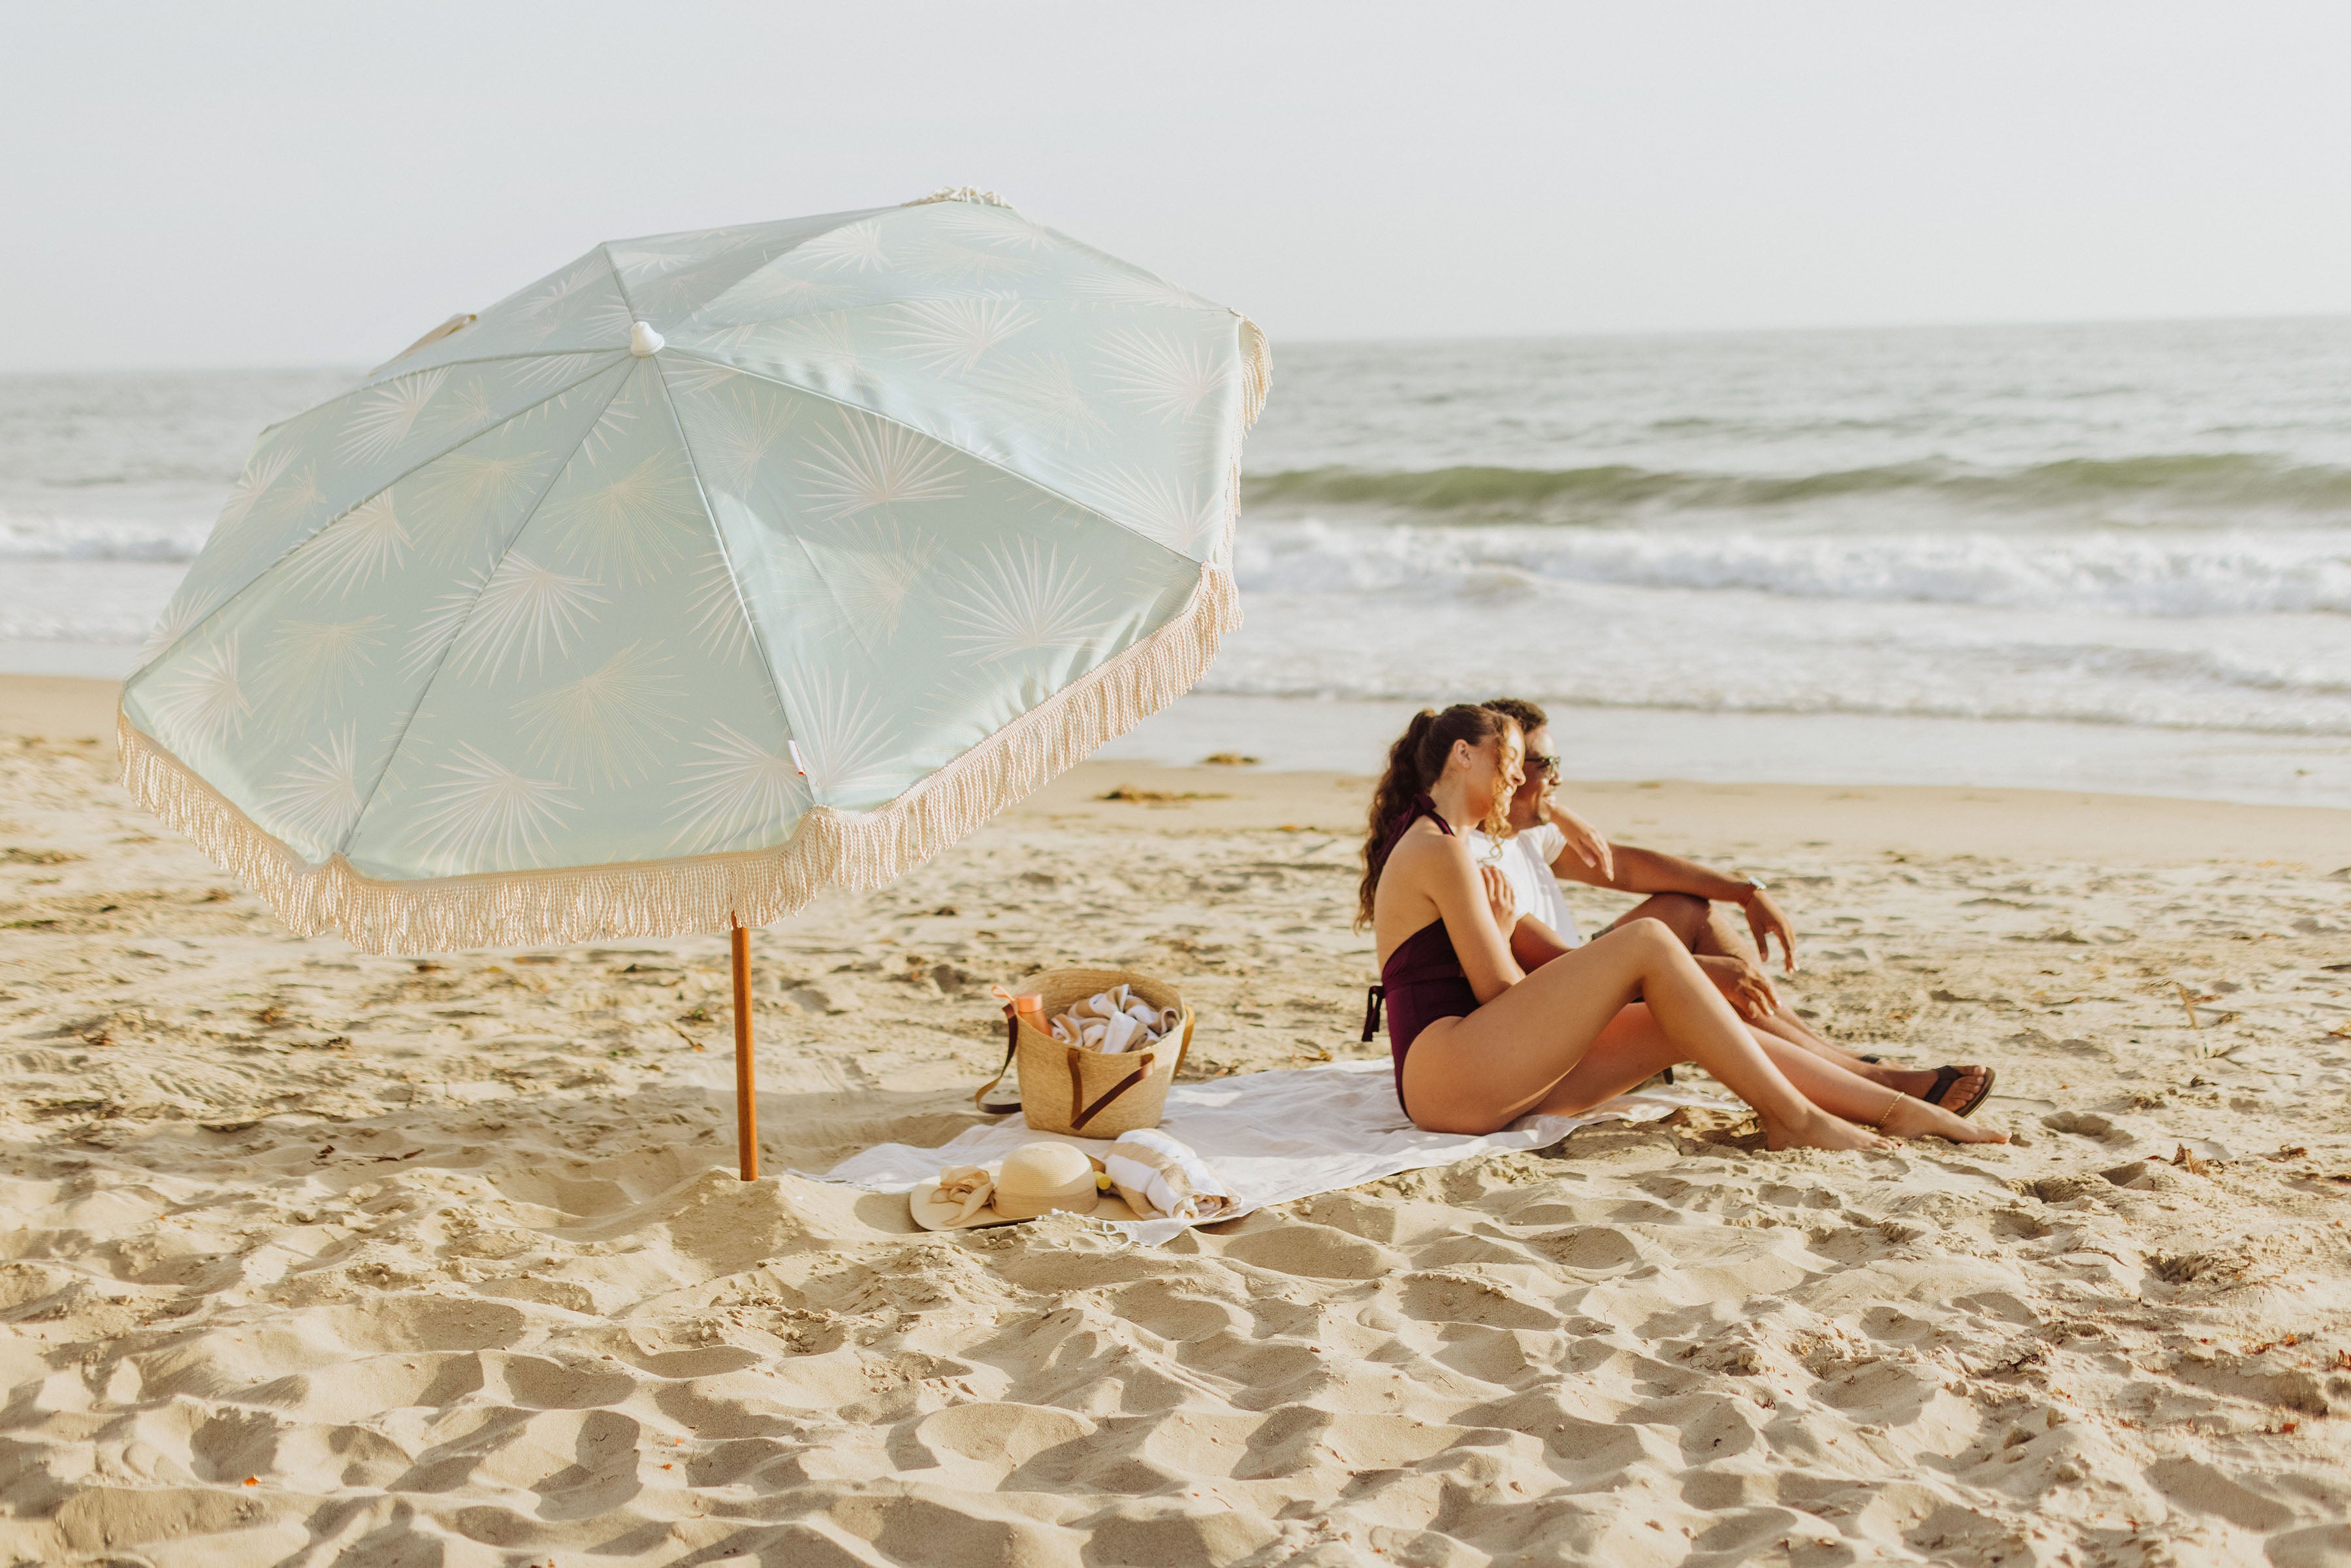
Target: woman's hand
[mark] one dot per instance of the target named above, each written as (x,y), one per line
(1501,898)
(1743,986)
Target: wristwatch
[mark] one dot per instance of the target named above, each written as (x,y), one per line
(1755,884)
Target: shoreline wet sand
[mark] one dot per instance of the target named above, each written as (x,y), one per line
(321,1255)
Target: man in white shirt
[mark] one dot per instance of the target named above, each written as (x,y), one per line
(1550,842)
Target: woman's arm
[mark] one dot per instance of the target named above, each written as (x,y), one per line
(1471,902)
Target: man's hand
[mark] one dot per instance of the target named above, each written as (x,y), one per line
(1583,841)
(1746,987)
(1765,920)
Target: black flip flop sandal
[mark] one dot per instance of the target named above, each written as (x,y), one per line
(1947,1076)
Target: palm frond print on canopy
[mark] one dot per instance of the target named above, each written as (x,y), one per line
(532,638)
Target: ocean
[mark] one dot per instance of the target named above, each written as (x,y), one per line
(2105,557)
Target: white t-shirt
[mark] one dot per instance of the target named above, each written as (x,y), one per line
(1527,860)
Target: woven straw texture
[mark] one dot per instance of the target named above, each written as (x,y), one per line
(1061,1083)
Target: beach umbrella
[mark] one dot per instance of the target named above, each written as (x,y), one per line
(707,571)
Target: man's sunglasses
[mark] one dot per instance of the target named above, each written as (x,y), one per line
(1546,766)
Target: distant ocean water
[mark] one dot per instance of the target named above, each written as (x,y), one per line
(2094,556)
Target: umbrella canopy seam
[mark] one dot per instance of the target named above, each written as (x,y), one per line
(199,623)
(719,534)
(619,284)
(688,323)
(386,373)
(846,219)
(456,635)
(1039,485)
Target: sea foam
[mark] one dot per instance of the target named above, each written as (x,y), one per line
(2164,572)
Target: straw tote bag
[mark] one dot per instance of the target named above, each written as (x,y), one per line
(1079,1091)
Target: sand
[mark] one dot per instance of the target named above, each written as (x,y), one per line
(326,1258)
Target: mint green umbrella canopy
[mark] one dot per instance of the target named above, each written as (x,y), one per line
(708,571)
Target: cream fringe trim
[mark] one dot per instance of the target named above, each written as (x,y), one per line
(1257,373)
(859,850)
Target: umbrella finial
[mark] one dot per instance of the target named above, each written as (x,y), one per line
(960,194)
(643,341)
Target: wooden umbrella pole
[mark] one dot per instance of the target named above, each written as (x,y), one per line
(746,1088)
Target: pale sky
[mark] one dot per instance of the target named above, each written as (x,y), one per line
(244,184)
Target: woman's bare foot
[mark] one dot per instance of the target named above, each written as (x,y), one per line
(1912,1118)
(1819,1130)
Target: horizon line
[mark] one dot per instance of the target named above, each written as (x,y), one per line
(1398,340)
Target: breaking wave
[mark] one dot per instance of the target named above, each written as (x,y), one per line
(2106,570)
(2208,484)
(40,536)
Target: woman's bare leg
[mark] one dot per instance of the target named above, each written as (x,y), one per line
(1634,1046)
(1710,934)
(1914,1082)
(1474,1074)
(1786,1025)
(1630,1051)
(1705,933)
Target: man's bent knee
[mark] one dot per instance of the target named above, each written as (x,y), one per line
(1650,932)
(1683,913)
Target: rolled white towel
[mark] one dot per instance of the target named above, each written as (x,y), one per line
(1121,1032)
(1114,1020)
(1161,1176)
(1159,1022)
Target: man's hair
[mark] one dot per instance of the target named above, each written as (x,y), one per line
(1528,717)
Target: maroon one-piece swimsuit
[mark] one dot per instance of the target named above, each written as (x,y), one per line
(1423,979)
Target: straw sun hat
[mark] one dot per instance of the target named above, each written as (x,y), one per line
(1033,1179)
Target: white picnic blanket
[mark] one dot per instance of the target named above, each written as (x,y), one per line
(1273,1137)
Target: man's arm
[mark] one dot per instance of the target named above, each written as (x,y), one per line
(1533,943)
(1584,842)
(1652,870)
(1644,871)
